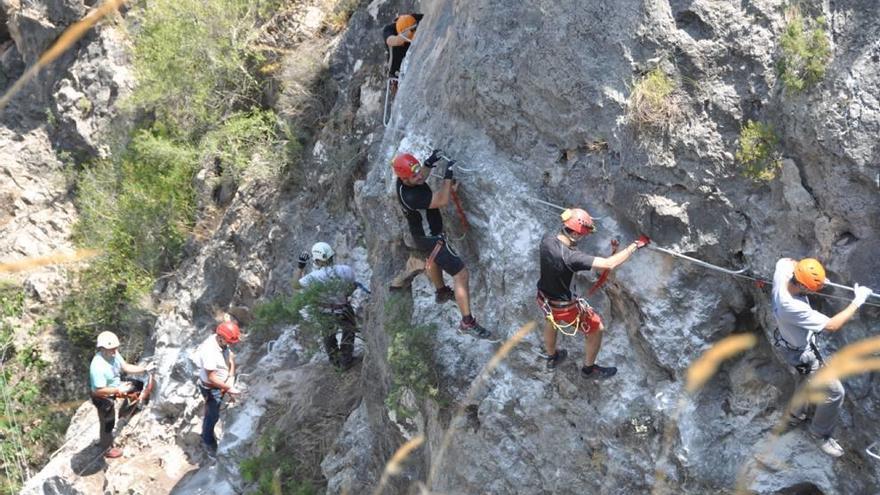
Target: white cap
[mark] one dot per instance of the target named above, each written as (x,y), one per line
(108,340)
(322,251)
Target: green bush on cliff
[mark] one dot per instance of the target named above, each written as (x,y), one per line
(757,153)
(805,52)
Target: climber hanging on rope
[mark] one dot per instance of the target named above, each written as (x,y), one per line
(216,377)
(798,325)
(564,311)
(106,385)
(421,206)
(337,284)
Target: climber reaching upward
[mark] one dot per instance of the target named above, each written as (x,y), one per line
(798,324)
(421,206)
(398,35)
(559,262)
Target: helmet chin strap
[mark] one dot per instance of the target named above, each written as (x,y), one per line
(571,239)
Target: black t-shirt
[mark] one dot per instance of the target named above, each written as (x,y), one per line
(558,265)
(397,52)
(423,221)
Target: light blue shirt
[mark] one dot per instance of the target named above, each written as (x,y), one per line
(798,322)
(103,373)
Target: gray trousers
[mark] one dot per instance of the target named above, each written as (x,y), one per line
(806,363)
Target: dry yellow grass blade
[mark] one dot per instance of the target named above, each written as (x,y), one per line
(493,363)
(70,36)
(393,466)
(705,367)
(51,259)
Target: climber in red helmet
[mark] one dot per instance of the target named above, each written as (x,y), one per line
(798,324)
(421,206)
(559,262)
(216,377)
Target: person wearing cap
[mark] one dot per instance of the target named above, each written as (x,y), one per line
(798,325)
(106,383)
(337,283)
(421,207)
(559,262)
(398,36)
(216,377)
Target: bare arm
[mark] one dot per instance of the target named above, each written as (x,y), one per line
(616,260)
(215,381)
(396,40)
(231,366)
(837,321)
(132,369)
(441,198)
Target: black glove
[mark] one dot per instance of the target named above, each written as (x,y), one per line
(448,173)
(432,160)
(303,259)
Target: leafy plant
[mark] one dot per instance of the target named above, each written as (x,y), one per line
(246,142)
(757,151)
(410,357)
(805,52)
(653,102)
(274,470)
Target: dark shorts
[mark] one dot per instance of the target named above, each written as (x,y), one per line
(444,256)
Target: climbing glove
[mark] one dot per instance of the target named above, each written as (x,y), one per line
(643,241)
(303,259)
(448,174)
(431,161)
(862,294)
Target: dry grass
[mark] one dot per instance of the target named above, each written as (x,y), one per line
(392,468)
(51,259)
(654,103)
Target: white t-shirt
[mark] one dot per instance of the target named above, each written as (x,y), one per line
(324,274)
(212,358)
(797,321)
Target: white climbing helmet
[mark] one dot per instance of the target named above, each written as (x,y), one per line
(107,340)
(322,251)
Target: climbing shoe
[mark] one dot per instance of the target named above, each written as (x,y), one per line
(470,327)
(828,445)
(444,294)
(596,372)
(554,360)
(113,453)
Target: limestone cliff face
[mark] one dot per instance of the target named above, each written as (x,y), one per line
(531,97)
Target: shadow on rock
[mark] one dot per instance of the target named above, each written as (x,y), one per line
(88,461)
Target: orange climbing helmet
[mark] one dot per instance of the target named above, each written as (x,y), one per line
(403,22)
(229,331)
(578,221)
(406,165)
(810,273)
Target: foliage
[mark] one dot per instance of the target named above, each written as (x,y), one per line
(274,470)
(303,309)
(805,52)
(410,357)
(30,430)
(757,151)
(653,102)
(193,61)
(246,142)
(342,12)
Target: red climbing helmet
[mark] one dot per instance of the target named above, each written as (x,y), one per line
(810,273)
(406,165)
(578,221)
(229,331)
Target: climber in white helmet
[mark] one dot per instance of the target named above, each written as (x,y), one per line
(106,384)
(337,282)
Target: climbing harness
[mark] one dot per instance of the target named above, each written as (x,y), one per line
(569,317)
(759,282)
(602,278)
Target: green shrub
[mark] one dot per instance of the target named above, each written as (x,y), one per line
(410,357)
(273,469)
(805,52)
(193,62)
(653,102)
(303,309)
(757,152)
(246,142)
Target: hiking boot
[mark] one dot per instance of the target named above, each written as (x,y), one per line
(444,294)
(828,445)
(795,420)
(470,327)
(113,453)
(554,360)
(596,372)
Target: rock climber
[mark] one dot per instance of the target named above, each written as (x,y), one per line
(337,284)
(106,384)
(559,262)
(398,35)
(798,325)
(421,206)
(217,377)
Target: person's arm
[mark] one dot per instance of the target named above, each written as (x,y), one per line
(299,280)
(441,197)
(231,367)
(215,381)
(837,321)
(132,369)
(618,259)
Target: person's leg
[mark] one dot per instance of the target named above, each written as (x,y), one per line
(348,322)
(106,421)
(549,338)
(435,274)
(462,292)
(828,411)
(212,415)
(331,346)
(592,344)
